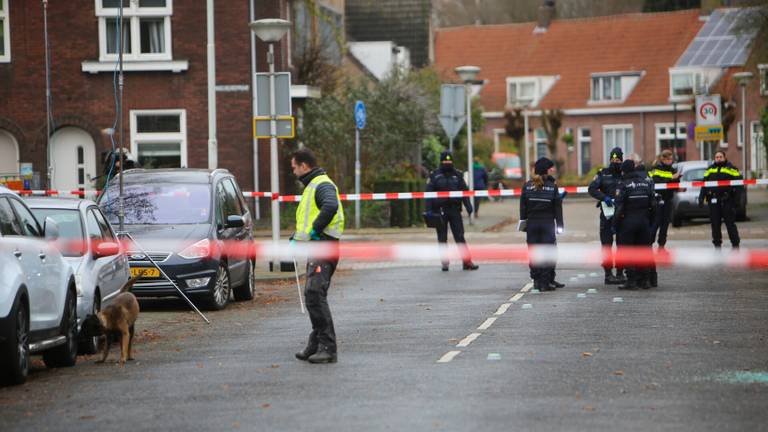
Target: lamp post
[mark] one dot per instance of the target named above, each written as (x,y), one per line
(468,75)
(743,78)
(271,31)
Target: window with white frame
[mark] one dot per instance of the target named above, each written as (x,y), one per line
(740,134)
(617,136)
(159,138)
(584,150)
(540,140)
(5,33)
(521,92)
(682,84)
(146,29)
(666,138)
(763,71)
(606,88)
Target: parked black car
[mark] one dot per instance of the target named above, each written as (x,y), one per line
(179,216)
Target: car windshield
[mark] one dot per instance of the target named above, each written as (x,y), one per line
(160,203)
(696,174)
(70,228)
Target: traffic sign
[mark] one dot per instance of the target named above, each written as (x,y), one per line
(709,133)
(452,108)
(282,94)
(360,114)
(285,127)
(708,112)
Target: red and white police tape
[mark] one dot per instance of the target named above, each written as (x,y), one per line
(422,195)
(568,254)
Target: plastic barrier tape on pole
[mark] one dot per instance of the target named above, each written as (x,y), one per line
(422,195)
(582,255)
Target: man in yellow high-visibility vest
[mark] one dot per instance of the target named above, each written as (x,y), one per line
(319,217)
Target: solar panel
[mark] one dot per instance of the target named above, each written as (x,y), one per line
(723,41)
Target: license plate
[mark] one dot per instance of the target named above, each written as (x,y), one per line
(149,272)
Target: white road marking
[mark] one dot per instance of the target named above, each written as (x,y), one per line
(448,356)
(503,308)
(527,287)
(487,323)
(467,340)
(516,297)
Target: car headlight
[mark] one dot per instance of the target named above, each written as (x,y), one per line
(198,282)
(200,249)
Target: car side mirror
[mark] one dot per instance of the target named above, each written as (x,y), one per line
(235,221)
(51,229)
(104,249)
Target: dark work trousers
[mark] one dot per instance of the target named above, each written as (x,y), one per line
(606,239)
(635,231)
(661,224)
(477,203)
(719,212)
(541,232)
(319,273)
(452,218)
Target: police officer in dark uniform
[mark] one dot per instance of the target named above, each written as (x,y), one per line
(663,172)
(542,209)
(603,188)
(447,178)
(635,209)
(722,200)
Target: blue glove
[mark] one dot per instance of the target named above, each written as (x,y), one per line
(428,213)
(608,200)
(563,194)
(313,235)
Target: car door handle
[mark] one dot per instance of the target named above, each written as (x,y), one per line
(17,253)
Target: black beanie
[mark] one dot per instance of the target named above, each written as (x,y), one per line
(627,166)
(446,156)
(617,152)
(542,166)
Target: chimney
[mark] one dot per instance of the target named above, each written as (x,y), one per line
(546,14)
(707,6)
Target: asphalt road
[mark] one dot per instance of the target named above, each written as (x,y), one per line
(420,350)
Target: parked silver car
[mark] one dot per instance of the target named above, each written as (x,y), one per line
(38,309)
(685,203)
(90,246)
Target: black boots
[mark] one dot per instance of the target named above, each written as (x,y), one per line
(469,265)
(445,266)
(630,285)
(308,351)
(556,284)
(610,279)
(542,286)
(653,279)
(323,355)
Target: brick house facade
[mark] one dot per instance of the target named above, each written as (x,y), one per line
(165,94)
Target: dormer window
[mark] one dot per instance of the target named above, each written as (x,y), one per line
(522,92)
(606,88)
(685,83)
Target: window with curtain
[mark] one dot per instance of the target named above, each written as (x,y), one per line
(606,88)
(146,29)
(159,138)
(617,136)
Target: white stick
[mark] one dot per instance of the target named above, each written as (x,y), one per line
(298,285)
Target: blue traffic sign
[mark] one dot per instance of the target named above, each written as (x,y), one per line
(360,114)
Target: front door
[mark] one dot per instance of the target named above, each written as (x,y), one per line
(9,163)
(73,157)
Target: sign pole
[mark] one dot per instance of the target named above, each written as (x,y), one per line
(357,177)
(273,177)
(470,170)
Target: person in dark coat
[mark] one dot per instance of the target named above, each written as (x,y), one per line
(480,177)
(722,200)
(635,209)
(541,208)
(603,189)
(444,179)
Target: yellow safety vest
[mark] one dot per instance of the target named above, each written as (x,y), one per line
(308,211)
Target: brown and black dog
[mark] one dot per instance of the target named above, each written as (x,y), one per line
(116,322)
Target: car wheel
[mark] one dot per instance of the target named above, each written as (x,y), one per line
(89,345)
(15,354)
(219,295)
(65,355)
(247,290)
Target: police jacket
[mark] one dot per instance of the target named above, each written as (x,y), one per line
(662,173)
(635,198)
(543,203)
(325,199)
(605,182)
(721,171)
(445,179)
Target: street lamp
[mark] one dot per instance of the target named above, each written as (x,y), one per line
(743,78)
(271,31)
(468,75)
